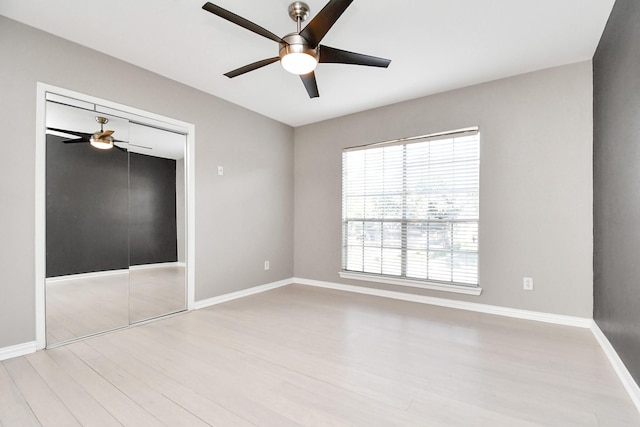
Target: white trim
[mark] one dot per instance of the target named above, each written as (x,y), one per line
(241,294)
(580,322)
(40,203)
(458,289)
(158,265)
(190,216)
(40,214)
(17,350)
(623,373)
(475,130)
(54,280)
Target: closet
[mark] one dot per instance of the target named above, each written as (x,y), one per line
(115,221)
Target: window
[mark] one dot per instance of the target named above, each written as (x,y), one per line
(410,209)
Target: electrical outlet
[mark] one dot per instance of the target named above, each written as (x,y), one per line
(266,265)
(527,283)
(220,170)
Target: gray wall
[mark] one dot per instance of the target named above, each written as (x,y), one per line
(242,218)
(536,178)
(535,185)
(616,69)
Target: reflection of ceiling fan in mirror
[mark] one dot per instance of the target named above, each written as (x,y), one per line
(101,139)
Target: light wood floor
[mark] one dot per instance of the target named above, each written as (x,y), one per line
(316,357)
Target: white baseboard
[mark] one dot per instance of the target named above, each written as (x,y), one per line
(580,322)
(627,380)
(240,294)
(58,279)
(158,265)
(17,350)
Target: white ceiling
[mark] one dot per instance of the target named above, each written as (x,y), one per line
(434,45)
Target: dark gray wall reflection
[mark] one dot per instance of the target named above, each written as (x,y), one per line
(87,208)
(616,170)
(152,197)
(89,211)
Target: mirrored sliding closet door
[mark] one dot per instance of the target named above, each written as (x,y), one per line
(115,222)
(156,223)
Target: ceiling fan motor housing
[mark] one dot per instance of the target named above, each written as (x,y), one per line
(295,43)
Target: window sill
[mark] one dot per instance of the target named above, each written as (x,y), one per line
(459,289)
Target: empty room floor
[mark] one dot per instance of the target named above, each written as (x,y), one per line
(304,356)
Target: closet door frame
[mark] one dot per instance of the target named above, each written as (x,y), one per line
(133,114)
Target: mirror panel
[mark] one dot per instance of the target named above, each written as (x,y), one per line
(115,223)
(87,227)
(156,191)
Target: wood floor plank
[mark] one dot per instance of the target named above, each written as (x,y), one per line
(265,380)
(119,405)
(203,408)
(81,404)
(233,385)
(442,412)
(151,400)
(44,403)
(276,350)
(14,409)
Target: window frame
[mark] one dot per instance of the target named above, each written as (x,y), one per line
(402,279)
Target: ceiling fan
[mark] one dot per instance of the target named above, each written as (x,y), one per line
(301,51)
(101,139)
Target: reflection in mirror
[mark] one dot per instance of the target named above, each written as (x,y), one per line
(87,209)
(115,222)
(157,219)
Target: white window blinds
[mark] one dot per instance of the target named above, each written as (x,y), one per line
(410,208)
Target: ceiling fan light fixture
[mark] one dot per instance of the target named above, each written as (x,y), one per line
(101,142)
(299,63)
(296,56)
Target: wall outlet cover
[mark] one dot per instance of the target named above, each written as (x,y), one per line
(527,283)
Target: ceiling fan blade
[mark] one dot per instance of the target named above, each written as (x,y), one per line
(339,56)
(74,141)
(107,133)
(251,67)
(239,20)
(71,132)
(323,21)
(309,81)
